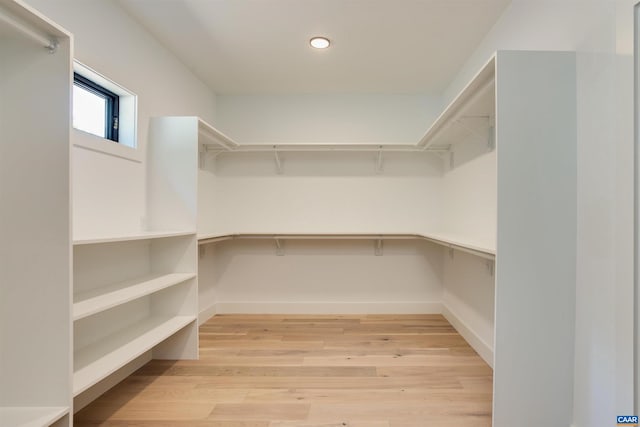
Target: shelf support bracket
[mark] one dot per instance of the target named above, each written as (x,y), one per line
(452,159)
(201,251)
(378,247)
(201,158)
(491,266)
(279,247)
(451,252)
(492,138)
(379,161)
(276,157)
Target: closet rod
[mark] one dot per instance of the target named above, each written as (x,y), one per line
(50,43)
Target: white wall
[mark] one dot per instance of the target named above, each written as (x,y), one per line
(321,193)
(330,118)
(469,203)
(324,193)
(603,350)
(109,192)
(328,276)
(468,299)
(470,199)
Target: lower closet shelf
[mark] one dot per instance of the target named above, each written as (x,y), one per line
(97,300)
(31,416)
(97,361)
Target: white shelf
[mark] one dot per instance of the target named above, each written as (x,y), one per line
(97,361)
(97,300)
(457,242)
(143,235)
(475,101)
(31,416)
(215,140)
(454,242)
(212,139)
(327,147)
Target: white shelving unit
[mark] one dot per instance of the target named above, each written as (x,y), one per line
(136,296)
(132,298)
(35,236)
(95,362)
(32,416)
(517,114)
(446,241)
(104,298)
(471,112)
(509,183)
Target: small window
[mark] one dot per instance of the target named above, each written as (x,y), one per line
(95,108)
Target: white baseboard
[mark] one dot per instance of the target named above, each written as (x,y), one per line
(206,314)
(479,345)
(328,308)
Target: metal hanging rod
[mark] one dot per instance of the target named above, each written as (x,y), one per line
(48,42)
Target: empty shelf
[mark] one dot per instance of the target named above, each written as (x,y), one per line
(454,242)
(31,416)
(104,298)
(99,360)
(143,235)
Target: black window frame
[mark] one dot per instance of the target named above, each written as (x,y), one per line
(112,109)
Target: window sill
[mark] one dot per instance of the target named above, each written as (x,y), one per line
(95,143)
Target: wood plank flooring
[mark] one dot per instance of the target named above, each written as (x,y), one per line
(309,371)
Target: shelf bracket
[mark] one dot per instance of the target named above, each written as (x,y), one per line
(492,138)
(491,265)
(201,251)
(276,157)
(201,158)
(451,252)
(452,159)
(279,247)
(379,161)
(378,247)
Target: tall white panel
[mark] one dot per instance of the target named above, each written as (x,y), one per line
(536,239)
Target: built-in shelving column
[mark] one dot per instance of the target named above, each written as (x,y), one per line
(172,202)
(35,233)
(136,296)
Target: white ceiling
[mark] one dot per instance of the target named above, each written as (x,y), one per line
(378,46)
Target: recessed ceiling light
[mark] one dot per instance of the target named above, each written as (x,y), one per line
(319,42)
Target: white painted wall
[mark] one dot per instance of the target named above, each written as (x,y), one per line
(330,118)
(324,193)
(109,192)
(320,193)
(470,199)
(468,299)
(603,349)
(469,203)
(328,276)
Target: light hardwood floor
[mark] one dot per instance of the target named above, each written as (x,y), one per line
(309,371)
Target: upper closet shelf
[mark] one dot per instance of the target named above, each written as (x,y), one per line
(143,235)
(450,242)
(471,112)
(212,140)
